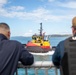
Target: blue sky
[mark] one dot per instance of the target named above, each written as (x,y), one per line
(24,16)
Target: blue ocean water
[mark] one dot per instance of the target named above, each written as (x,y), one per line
(53,41)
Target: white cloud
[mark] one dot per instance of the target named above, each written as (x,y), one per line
(29,33)
(39,14)
(2,2)
(71,4)
(16,8)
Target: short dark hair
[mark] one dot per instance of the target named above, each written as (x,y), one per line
(4,25)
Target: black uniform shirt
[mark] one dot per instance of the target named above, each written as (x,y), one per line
(10,53)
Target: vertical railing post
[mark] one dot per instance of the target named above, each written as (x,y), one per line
(56,71)
(36,71)
(26,73)
(16,72)
(46,71)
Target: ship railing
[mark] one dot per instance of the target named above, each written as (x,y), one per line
(44,65)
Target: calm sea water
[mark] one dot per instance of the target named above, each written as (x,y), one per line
(53,40)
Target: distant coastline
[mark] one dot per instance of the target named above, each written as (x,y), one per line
(53,35)
(59,35)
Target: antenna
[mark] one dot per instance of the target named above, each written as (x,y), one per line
(41,29)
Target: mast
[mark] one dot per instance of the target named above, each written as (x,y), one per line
(41,29)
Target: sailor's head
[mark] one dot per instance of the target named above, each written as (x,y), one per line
(74,26)
(5,30)
(74,22)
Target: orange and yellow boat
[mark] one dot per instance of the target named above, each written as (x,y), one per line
(39,43)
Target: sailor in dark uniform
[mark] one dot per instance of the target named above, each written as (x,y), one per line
(65,53)
(11,52)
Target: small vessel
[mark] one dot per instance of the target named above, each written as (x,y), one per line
(39,44)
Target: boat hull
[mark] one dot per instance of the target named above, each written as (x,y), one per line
(37,49)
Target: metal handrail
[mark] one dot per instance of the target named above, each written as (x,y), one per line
(46,65)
